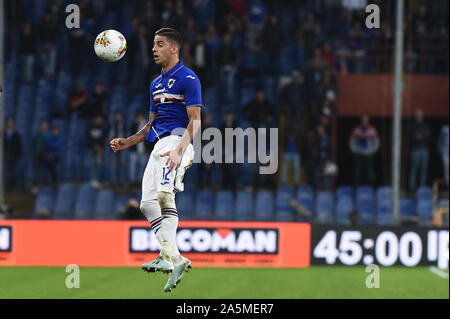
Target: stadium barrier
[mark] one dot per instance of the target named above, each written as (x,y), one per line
(131,243)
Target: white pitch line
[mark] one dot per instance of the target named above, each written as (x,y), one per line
(438,272)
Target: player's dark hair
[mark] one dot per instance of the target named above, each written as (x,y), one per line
(171,34)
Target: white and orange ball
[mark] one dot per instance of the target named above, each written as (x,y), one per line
(110,46)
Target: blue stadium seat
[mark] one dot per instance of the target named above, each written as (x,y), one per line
(384,206)
(204,205)
(424,193)
(65,201)
(264,206)
(407,208)
(104,205)
(344,204)
(244,206)
(424,205)
(44,203)
(365,204)
(84,204)
(185,202)
(283,211)
(324,207)
(224,207)
(305,196)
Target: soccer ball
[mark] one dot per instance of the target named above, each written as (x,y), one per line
(110,46)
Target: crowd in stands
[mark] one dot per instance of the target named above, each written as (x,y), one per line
(262,63)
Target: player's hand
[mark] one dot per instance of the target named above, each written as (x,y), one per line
(119,144)
(173,160)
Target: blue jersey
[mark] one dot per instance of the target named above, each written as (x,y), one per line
(171,94)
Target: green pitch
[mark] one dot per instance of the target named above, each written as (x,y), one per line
(217,283)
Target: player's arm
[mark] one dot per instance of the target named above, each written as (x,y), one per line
(174,157)
(121,143)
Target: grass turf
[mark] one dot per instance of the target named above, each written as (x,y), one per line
(322,282)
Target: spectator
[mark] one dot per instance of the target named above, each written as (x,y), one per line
(206,169)
(48,31)
(131,211)
(138,154)
(256,111)
(292,98)
(77,100)
(315,70)
(96,139)
(140,49)
(53,153)
(28,51)
(311,153)
(256,13)
(237,7)
(98,102)
(291,156)
(188,31)
(443,146)
(271,38)
(364,143)
(226,58)
(117,164)
(358,44)
(328,55)
(323,141)
(229,166)
(78,42)
(40,140)
(420,137)
(13,153)
(200,58)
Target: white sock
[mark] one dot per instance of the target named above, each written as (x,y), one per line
(169,224)
(152,212)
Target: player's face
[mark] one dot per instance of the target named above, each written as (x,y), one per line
(163,50)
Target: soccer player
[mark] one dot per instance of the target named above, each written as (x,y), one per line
(175,104)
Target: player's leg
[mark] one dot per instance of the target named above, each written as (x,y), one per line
(151,209)
(181,263)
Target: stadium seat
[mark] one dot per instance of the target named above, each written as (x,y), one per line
(204,205)
(84,204)
(44,203)
(104,205)
(185,202)
(324,207)
(283,210)
(384,206)
(305,196)
(244,206)
(264,206)
(65,201)
(344,204)
(424,205)
(224,205)
(407,209)
(424,193)
(365,204)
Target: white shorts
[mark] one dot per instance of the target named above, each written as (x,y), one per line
(157,176)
